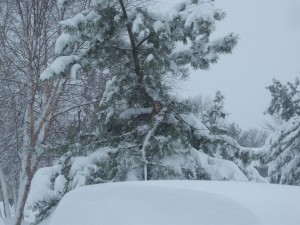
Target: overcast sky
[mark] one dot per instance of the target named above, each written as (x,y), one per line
(269,47)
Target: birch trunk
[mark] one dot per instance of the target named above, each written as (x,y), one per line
(15,193)
(6,204)
(24,188)
(21,205)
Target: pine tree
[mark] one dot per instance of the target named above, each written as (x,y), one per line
(139,116)
(282,148)
(285,99)
(143,132)
(216,115)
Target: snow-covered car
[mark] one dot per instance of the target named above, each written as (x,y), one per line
(180,203)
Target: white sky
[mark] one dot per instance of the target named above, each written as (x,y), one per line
(269,47)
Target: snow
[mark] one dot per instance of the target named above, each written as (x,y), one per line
(153,93)
(109,114)
(137,23)
(192,121)
(117,18)
(189,12)
(82,166)
(1,222)
(282,153)
(149,58)
(41,187)
(203,11)
(180,202)
(60,183)
(253,174)
(219,169)
(74,22)
(158,26)
(110,89)
(173,66)
(74,71)
(58,66)
(78,171)
(64,41)
(288,130)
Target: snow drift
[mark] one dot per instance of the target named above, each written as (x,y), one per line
(180,203)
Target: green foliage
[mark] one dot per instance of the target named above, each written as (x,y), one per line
(282,146)
(285,99)
(44,208)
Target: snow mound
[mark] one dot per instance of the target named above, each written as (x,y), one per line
(179,203)
(41,184)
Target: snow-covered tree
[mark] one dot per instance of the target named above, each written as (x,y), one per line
(215,118)
(282,148)
(143,132)
(285,99)
(138,114)
(210,111)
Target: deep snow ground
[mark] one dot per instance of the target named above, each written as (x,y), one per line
(180,203)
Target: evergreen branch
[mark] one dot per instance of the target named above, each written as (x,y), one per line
(142,41)
(76,106)
(188,123)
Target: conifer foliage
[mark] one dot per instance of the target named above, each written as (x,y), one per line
(282,148)
(139,116)
(285,99)
(143,132)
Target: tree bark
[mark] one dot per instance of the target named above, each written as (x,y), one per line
(136,61)
(22,197)
(6,204)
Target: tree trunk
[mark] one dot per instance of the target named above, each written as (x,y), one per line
(22,197)
(6,204)
(135,56)
(15,193)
